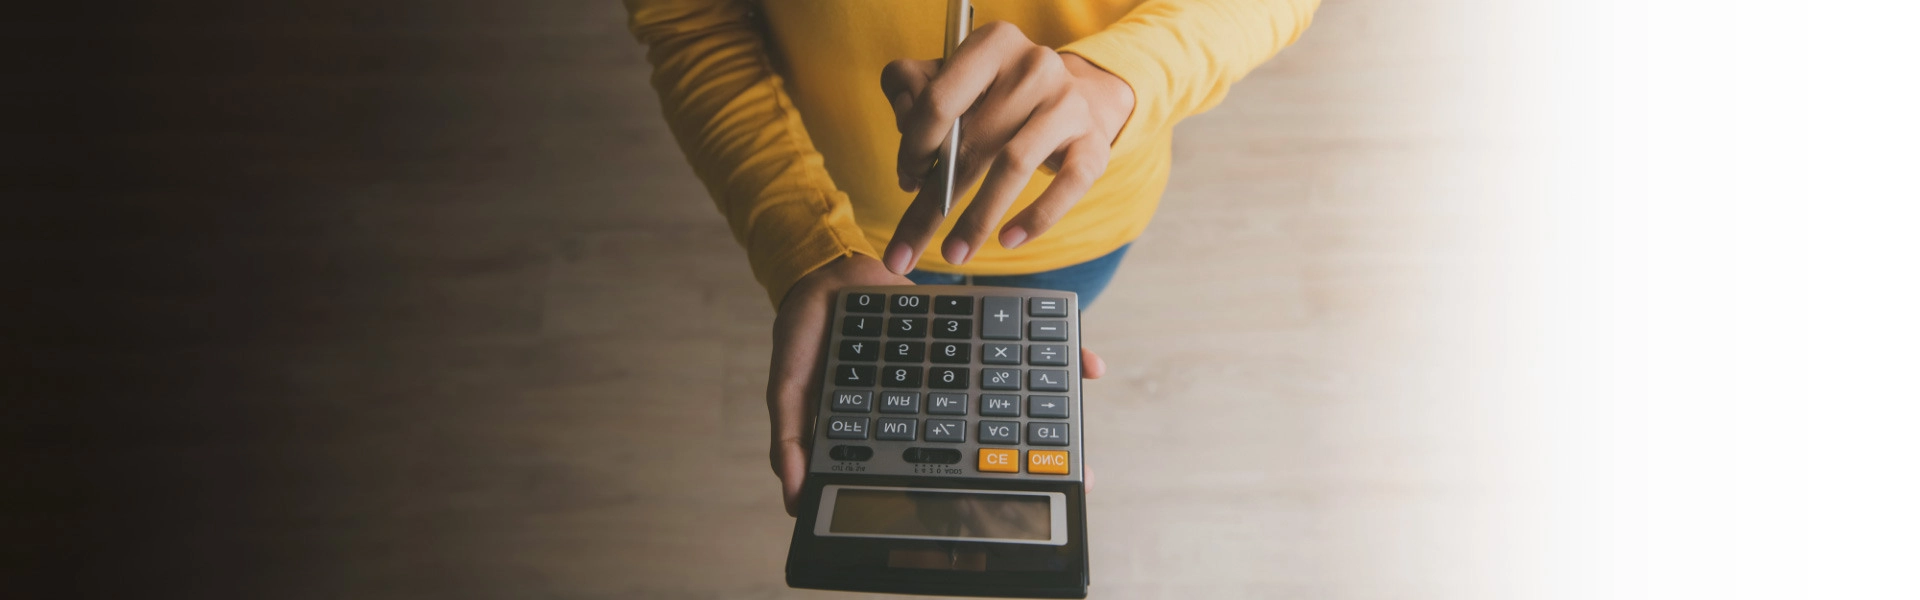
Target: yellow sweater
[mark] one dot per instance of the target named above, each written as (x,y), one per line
(777,105)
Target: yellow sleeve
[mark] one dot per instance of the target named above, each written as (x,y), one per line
(1180,56)
(736,125)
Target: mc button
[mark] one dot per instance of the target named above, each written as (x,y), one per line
(999,460)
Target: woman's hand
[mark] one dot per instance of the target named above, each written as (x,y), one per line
(1021,106)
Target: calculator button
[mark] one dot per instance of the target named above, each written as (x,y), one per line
(1046,434)
(1047,380)
(1047,407)
(953,305)
(900,403)
(853,453)
(946,403)
(1047,307)
(938,456)
(999,379)
(1047,462)
(954,329)
(905,351)
(1000,318)
(1000,405)
(1047,331)
(892,376)
(914,304)
(861,350)
(947,378)
(853,375)
(952,352)
(847,428)
(997,432)
(866,303)
(860,326)
(1047,355)
(946,430)
(907,327)
(852,401)
(1000,354)
(896,430)
(999,460)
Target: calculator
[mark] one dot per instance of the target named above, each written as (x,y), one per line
(946,453)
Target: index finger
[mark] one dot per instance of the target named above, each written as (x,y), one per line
(960,82)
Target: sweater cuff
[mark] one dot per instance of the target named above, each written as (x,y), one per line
(782,254)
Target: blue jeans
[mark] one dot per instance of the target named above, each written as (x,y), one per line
(1087,279)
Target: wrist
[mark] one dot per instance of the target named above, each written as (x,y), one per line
(1108,96)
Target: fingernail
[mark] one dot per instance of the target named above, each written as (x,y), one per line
(1013,237)
(909,183)
(899,258)
(956,250)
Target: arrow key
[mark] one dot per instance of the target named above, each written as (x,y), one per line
(1047,407)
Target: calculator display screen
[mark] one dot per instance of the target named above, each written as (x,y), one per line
(942,514)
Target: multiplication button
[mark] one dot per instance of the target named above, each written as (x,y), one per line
(1000,354)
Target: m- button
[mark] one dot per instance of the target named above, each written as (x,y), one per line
(999,460)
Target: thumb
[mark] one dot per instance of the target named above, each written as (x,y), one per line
(790,464)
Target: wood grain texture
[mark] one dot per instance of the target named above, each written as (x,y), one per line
(397,300)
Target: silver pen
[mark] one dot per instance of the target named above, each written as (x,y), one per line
(959,22)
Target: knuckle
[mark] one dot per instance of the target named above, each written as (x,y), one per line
(1019,157)
(1000,30)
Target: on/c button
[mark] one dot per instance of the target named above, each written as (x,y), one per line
(999,460)
(1050,462)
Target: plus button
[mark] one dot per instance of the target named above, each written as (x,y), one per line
(1000,316)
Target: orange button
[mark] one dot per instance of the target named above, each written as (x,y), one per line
(999,460)
(1050,462)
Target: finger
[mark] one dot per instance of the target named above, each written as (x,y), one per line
(793,378)
(1032,76)
(959,84)
(1091,365)
(915,230)
(1084,162)
(1041,136)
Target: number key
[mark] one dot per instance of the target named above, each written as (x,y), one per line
(906,327)
(905,351)
(853,375)
(907,377)
(953,328)
(951,352)
(866,303)
(860,326)
(947,378)
(910,304)
(860,350)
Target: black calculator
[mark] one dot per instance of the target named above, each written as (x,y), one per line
(947,446)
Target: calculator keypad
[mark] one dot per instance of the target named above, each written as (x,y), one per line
(952,381)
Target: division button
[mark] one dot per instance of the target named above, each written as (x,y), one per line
(953,305)
(1047,407)
(938,456)
(1046,434)
(1047,307)
(866,302)
(947,430)
(1047,380)
(946,403)
(847,428)
(1000,379)
(912,304)
(853,453)
(900,403)
(853,401)
(1000,318)
(999,432)
(897,430)
(1000,354)
(1000,405)
(1047,462)
(1047,331)
(999,460)
(1047,355)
